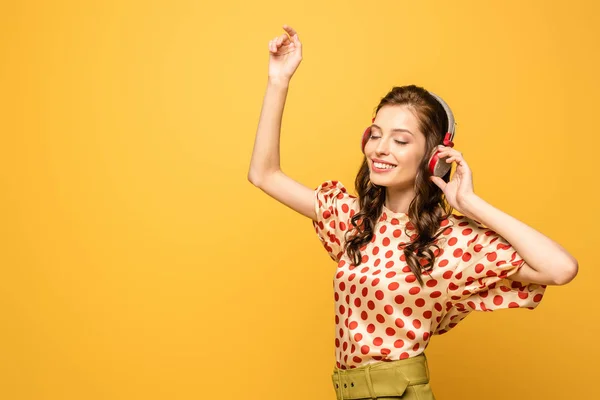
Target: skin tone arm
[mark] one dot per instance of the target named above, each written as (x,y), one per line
(552,264)
(265,156)
(547,262)
(285,54)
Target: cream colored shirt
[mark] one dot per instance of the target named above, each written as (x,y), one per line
(381,311)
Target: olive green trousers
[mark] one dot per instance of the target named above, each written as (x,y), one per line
(399,379)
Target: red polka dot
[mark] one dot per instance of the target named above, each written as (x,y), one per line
(414,290)
(491,256)
(431,283)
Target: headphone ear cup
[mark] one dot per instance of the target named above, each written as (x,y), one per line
(365,138)
(438,166)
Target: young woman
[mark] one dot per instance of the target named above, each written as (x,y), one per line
(407,267)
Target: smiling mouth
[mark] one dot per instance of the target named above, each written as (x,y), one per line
(384,166)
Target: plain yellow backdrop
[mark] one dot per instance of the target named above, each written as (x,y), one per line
(137,260)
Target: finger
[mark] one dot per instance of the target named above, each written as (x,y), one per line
(291,31)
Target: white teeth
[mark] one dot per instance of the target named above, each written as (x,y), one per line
(383,166)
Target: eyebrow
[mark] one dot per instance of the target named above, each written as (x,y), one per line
(393,130)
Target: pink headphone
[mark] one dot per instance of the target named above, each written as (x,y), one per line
(437,167)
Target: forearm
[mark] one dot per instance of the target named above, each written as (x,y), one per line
(539,251)
(265,155)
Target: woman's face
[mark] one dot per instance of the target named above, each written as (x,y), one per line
(395,139)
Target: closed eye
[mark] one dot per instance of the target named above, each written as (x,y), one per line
(397,141)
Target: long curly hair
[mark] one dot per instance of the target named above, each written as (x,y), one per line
(428,208)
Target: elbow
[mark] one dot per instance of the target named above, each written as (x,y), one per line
(252,178)
(568,274)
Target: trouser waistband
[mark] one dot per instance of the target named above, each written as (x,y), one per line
(380,379)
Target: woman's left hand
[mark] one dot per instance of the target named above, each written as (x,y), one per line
(460,188)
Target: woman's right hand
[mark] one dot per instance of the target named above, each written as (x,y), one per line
(285,54)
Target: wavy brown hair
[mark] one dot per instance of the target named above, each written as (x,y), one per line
(428,208)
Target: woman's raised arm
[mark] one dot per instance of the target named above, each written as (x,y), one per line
(285,54)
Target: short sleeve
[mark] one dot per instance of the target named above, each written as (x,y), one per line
(481,281)
(334,207)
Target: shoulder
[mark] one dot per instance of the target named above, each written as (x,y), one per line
(333,187)
(333,195)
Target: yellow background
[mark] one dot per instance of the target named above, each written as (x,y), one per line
(139,263)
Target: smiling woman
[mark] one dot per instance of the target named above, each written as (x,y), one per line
(408,268)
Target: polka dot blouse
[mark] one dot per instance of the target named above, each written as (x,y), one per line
(381,311)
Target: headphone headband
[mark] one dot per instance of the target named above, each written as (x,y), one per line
(451,123)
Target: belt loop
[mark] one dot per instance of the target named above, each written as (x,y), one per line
(369,382)
(340,392)
(426,366)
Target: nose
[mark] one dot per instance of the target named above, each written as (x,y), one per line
(382,146)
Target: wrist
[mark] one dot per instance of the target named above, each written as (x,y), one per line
(471,206)
(278,81)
